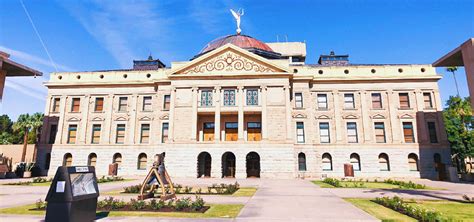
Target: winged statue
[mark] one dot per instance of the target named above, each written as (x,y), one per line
(237,16)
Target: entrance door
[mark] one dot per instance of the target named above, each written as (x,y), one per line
(440,167)
(253,165)
(204,165)
(228,165)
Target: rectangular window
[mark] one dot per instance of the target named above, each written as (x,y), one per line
(99,104)
(166,102)
(164,132)
(96,133)
(432,132)
(324,133)
(376,101)
(349,101)
(254,131)
(408,132)
(229,97)
(322,101)
(298,100)
(122,104)
(76,104)
(231,131)
(379,132)
(146,103)
(145,133)
(404,100)
(206,98)
(300,132)
(53,130)
(427,100)
(352,133)
(252,97)
(71,134)
(55,107)
(120,137)
(208,131)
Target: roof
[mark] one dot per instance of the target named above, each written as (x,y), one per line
(289,48)
(453,58)
(16,69)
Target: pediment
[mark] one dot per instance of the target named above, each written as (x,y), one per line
(378,116)
(299,115)
(145,118)
(323,117)
(121,118)
(164,117)
(406,116)
(97,119)
(74,119)
(351,117)
(229,60)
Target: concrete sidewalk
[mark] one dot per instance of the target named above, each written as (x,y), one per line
(298,200)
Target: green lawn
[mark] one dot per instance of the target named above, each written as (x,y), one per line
(379,211)
(216,211)
(368,185)
(456,210)
(245,192)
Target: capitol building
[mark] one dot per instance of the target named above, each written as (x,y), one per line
(245,108)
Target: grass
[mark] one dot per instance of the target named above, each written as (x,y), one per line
(456,210)
(216,211)
(367,185)
(379,211)
(242,192)
(245,192)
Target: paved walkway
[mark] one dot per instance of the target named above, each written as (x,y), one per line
(298,200)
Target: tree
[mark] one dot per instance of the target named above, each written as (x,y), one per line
(26,124)
(453,69)
(458,123)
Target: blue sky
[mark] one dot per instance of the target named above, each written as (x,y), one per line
(95,34)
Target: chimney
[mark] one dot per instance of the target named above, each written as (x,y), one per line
(149,64)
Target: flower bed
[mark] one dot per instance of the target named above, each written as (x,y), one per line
(386,184)
(179,189)
(42,180)
(399,205)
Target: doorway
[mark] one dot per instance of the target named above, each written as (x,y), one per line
(253,165)
(228,165)
(204,165)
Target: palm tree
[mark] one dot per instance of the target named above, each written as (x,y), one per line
(25,124)
(453,69)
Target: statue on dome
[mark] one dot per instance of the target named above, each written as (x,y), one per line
(237,16)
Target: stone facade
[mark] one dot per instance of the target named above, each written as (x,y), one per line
(199,92)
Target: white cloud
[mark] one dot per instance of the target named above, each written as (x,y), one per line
(33,59)
(32,88)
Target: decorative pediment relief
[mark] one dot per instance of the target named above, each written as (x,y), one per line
(323,117)
(121,118)
(74,119)
(164,117)
(299,115)
(97,119)
(378,116)
(146,118)
(350,116)
(406,116)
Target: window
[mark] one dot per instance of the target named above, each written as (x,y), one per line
(384,164)
(301,162)
(122,104)
(208,131)
(117,159)
(327,162)
(252,97)
(164,132)
(404,100)
(120,137)
(352,133)
(141,165)
(71,134)
(299,132)
(55,107)
(206,98)
(355,161)
(145,133)
(53,130)
(413,162)
(147,103)
(166,102)
(298,100)
(427,100)
(47,161)
(229,97)
(76,104)
(231,131)
(92,160)
(349,101)
(254,131)
(67,159)
(99,104)
(432,132)
(324,133)
(379,132)
(96,133)
(322,101)
(408,132)
(376,101)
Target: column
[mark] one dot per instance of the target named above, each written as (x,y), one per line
(241,113)
(194,115)
(439,114)
(365,117)
(84,120)
(289,126)
(45,131)
(337,116)
(217,115)
(420,118)
(263,93)
(133,118)
(108,122)
(171,116)
(394,121)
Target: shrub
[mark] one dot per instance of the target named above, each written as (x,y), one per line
(332,181)
(104,179)
(403,184)
(209,189)
(170,203)
(183,203)
(156,205)
(177,189)
(199,190)
(398,204)
(197,204)
(137,204)
(40,205)
(117,204)
(135,188)
(39,180)
(466,198)
(187,189)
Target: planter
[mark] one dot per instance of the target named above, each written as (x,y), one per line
(11,175)
(467,177)
(27,174)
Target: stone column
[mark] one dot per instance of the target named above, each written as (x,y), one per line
(241,113)
(337,116)
(84,120)
(365,117)
(420,117)
(263,93)
(288,108)
(194,115)
(133,118)
(217,115)
(171,116)
(108,122)
(240,166)
(395,127)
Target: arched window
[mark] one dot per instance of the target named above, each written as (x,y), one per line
(67,160)
(384,163)
(355,161)
(413,162)
(117,159)
(301,162)
(92,160)
(141,165)
(47,161)
(327,162)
